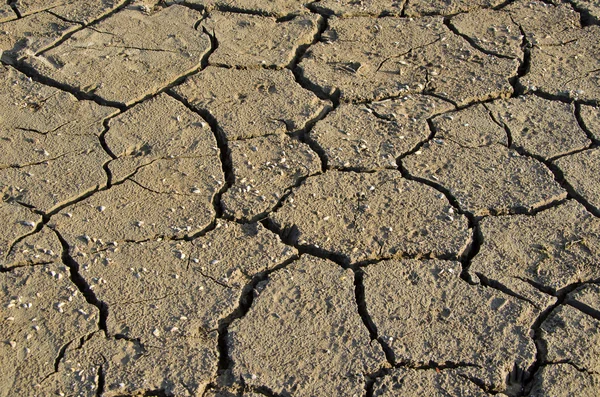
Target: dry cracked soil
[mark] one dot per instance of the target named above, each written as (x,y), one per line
(250,198)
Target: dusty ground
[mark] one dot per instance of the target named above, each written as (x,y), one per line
(300,198)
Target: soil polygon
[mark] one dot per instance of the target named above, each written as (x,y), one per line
(368,59)
(127,56)
(265,101)
(442,319)
(303,310)
(372,216)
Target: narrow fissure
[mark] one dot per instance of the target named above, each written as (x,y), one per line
(102,139)
(304,134)
(77,93)
(562,182)
(81,283)
(541,348)
(582,307)
(280,202)
(214,44)
(585,17)
(575,366)
(371,379)
(418,146)
(38,227)
(480,384)
(451,199)
(471,252)
(305,137)
(224,7)
(333,96)
(101,381)
(494,284)
(570,153)
(225,363)
(563,98)
(72,201)
(265,391)
(57,16)
(322,25)
(501,124)
(558,178)
(584,127)
(404,8)
(289,236)
(61,355)
(222,145)
(68,35)
(524,65)
(472,43)
(473,222)
(361,303)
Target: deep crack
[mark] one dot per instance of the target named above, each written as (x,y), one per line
(14,7)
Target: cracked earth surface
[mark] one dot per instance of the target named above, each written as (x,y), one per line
(245,198)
